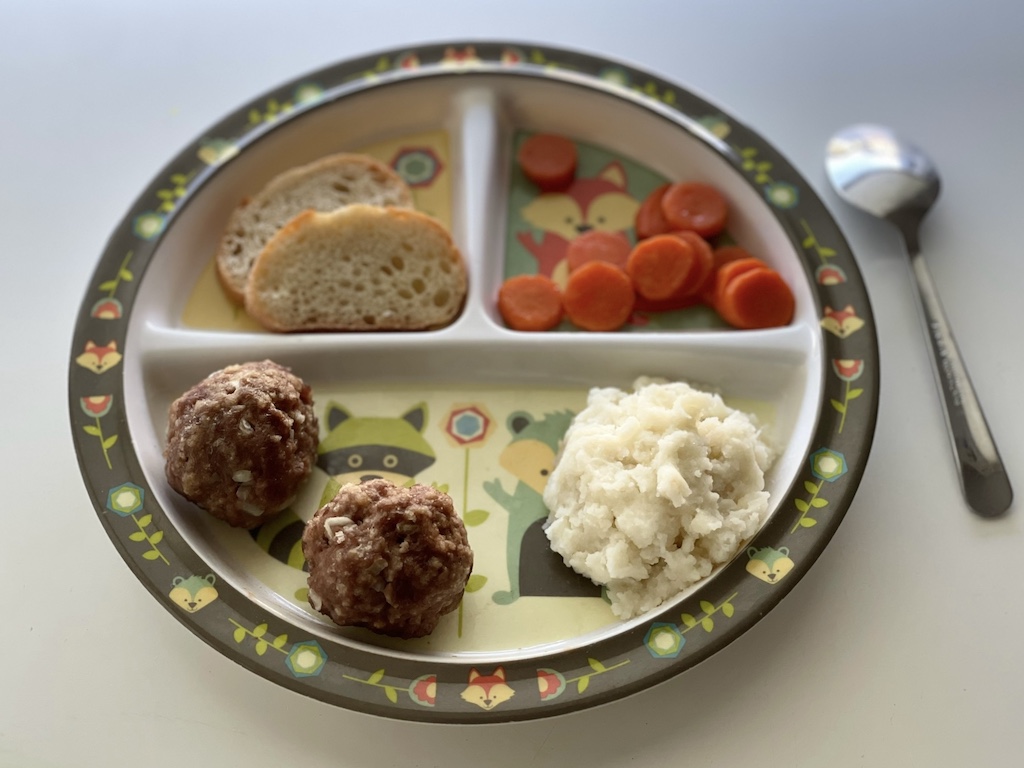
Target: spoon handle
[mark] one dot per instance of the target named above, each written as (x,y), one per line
(983,478)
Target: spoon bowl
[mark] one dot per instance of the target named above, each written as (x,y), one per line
(879,173)
(875,170)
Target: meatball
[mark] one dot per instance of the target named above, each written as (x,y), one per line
(391,559)
(241,442)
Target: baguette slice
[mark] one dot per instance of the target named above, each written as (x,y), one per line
(324,185)
(359,268)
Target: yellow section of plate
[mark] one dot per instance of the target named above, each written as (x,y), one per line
(491,451)
(208,308)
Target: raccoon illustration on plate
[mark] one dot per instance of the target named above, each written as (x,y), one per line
(355,449)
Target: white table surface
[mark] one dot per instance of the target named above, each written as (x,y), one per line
(901,647)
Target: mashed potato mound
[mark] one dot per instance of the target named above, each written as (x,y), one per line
(654,488)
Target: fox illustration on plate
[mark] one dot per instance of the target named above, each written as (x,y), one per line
(99,358)
(600,202)
(487,691)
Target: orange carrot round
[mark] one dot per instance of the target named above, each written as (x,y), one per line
(727,272)
(598,245)
(548,161)
(721,256)
(758,298)
(530,303)
(704,259)
(598,297)
(662,267)
(695,206)
(650,221)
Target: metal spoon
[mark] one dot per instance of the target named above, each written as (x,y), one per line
(878,172)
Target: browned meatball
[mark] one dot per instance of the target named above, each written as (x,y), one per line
(391,559)
(241,441)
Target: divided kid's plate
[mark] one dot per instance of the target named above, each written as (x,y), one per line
(475,408)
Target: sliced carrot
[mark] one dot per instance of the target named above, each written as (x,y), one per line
(598,297)
(530,303)
(598,245)
(548,161)
(663,267)
(703,256)
(695,206)
(722,255)
(688,292)
(757,298)
(727,272)
(650,221)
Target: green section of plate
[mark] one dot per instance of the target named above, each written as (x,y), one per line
(605,195)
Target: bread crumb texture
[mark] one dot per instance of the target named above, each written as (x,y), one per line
(324,185)
(359,268)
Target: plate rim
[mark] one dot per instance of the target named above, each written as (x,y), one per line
(120,499)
